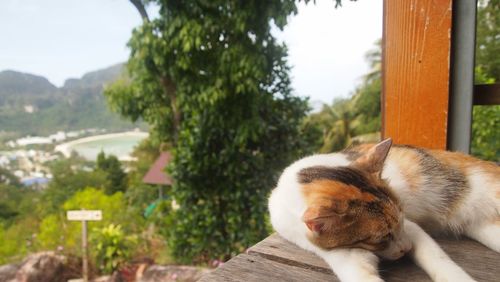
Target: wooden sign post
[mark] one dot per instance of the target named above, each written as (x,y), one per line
(84,216)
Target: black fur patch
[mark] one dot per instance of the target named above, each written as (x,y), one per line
(453,183)
(346,175)
(375,208)
(351,153)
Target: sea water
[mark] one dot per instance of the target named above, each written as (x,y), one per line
(120,146)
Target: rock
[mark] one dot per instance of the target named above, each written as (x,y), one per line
(106,278)
(156,273)
(47,266)
(8,272)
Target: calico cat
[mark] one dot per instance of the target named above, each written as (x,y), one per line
(375,201)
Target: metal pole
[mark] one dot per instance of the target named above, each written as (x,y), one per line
(85,266)
(462,75)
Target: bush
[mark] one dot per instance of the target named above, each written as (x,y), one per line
(57,232)
(113,247)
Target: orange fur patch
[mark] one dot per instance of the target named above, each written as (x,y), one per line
(408,163)
(319,191)
(465,163)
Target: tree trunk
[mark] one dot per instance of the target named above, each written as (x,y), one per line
(169,90)
(140,8)
(167,84)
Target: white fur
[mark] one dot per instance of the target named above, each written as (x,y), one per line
(480,203)
(287,205)
(431,258)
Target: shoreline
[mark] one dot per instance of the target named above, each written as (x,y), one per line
(65,148)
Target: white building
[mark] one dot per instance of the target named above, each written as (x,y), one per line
(58,137)
(33,140)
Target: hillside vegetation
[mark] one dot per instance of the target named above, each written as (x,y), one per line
(31,105)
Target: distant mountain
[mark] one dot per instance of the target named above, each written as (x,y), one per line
(30,104)
(96,78)
(18,89)
(13,82)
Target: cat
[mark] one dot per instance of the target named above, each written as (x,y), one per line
(371,201)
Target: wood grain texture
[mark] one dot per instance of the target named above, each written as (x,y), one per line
(275,259)
(416,71)
(247,268)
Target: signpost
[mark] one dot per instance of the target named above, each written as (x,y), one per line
(84,216)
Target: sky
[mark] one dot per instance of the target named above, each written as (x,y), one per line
(61,39)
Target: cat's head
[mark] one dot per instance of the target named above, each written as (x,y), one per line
(351,206)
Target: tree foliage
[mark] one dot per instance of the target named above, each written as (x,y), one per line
(210,78)
(139,194)
(112,168)
(55,230)
(69,178)
(352,119)
(485,141)
(487,38)
(6,177)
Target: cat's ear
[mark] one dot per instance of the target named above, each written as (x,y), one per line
(319,219)
(373,160)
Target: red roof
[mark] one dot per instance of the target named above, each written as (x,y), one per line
(157,174)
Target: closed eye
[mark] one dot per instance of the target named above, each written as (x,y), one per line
(388,237)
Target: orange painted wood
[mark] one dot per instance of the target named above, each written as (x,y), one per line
(416,71)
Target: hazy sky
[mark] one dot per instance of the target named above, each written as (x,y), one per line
(60,39)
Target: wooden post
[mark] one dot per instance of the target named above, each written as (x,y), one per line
(84,216)
(416,71)
(85,253)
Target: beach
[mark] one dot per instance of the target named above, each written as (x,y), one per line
(109,143)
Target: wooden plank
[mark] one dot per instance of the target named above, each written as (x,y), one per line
(479,261)
(487,94)
(416,71)
(275,247)
(246,268)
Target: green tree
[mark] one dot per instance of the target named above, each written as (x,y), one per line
(6,177)
(487,43)
(69,178)
(164,49)
(485,141)
(139,194)
(111,166)
(18,221)
(16,202)
(347,120)
(336,124)
(367,97)
(9,196)
(210,78)
(17,239)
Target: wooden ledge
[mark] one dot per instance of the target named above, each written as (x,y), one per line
(275,259)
